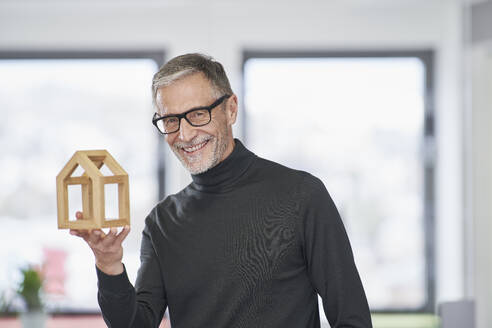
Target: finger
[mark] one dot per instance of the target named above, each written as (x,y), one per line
(109,239)
(122,235)
(95,236)
(79,233)
(74,232)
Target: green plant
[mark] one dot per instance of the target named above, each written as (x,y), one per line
(30,287)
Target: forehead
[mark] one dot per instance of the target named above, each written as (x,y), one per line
(188,92)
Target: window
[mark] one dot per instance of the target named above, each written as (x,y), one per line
(362,123)
(52,105)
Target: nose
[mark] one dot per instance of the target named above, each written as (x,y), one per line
(186,131)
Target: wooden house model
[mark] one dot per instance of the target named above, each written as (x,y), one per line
(93,197)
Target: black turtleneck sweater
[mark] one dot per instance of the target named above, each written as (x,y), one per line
(249,243)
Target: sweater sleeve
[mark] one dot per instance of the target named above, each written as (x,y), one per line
(124,306)
(330,262)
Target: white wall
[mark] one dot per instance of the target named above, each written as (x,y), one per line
(225,28)
(480,176)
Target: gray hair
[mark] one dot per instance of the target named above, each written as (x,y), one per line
(185,65)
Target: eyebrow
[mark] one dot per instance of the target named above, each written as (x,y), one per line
(199,107)
(187,111)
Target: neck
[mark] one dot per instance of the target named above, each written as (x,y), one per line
(222,176)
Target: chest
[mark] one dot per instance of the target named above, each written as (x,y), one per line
(250,239)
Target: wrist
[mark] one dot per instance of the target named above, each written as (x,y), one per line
(112,269)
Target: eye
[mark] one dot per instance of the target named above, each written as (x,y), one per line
(170,120)
(198,114)
(198,117)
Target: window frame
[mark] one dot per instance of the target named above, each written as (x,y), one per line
(428,144)
(158,56)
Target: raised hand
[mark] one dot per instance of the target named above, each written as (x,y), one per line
(107,248)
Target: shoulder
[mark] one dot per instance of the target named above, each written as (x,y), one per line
(282,174)
(165,207)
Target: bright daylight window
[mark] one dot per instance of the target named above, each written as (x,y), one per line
(50,108)
(357,124)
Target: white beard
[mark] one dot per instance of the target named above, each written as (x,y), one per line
(200,162)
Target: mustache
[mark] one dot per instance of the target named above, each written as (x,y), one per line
(194,142)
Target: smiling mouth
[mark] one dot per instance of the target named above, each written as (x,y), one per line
(194,149)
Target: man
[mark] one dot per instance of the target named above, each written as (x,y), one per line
(248,243)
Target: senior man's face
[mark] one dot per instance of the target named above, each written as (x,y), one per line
(198,148)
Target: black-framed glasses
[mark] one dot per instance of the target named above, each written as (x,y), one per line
(199,116)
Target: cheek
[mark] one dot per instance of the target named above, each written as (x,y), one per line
(218,125)
(211,128)
(170,139)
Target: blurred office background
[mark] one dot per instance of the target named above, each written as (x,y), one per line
(388,102)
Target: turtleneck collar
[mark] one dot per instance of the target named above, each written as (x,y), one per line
(227,172)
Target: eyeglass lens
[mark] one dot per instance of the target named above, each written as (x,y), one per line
(196,118)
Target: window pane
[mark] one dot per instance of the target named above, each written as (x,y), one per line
(50,109)
(356,123)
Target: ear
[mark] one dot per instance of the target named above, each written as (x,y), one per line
(231,110)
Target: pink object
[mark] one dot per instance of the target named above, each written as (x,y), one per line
(54,271)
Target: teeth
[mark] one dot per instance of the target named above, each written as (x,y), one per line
(196,147)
